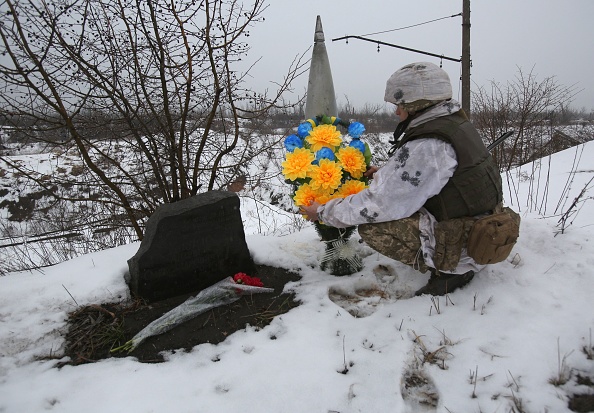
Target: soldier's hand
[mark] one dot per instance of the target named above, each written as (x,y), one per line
(370,171)
(310,212)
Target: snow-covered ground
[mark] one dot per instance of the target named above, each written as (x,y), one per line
(495,345)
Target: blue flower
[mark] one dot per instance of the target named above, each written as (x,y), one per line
(324,153)
(292,142)
(304,129)
(356,129)
(357,144)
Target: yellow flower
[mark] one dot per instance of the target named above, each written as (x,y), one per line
(352,161)
(325,197)
(350,187)
(305,195)
(323,135)
(326,176)
(298,163)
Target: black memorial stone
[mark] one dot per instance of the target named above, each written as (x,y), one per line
(188,246)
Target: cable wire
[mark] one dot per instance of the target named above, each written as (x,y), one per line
(414,25)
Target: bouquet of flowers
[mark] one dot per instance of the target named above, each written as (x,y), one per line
(224,292)
(321,165)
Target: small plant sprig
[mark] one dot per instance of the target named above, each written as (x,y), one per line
(483,307)
(473,379)
(435,304)
(563,370)
(345,370)
(518,404)
(589,349)
(446,341)
(437,357)
(574,208)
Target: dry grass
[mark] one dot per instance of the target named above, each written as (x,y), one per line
(94,330)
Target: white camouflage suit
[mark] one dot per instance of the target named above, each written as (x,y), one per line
(413,174)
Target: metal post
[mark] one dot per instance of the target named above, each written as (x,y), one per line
(466,56)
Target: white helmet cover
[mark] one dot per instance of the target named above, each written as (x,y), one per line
(418,81)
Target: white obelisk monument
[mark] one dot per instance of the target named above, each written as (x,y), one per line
(321,99)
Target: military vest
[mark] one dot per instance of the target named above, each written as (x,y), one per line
(475,187)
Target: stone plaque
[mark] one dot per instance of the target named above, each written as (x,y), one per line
(190,245)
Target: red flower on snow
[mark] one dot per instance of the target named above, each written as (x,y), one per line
(243,278)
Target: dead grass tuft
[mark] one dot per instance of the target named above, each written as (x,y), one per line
(95,329)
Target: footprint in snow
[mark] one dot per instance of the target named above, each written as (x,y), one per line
(361,297)
(418,391)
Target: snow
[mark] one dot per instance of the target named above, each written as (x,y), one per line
(496,343)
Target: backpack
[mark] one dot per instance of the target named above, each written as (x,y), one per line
(492,237)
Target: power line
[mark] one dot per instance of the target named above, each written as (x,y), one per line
(453,59)
(464,60)
(414,25)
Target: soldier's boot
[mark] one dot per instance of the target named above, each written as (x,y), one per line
(443,283)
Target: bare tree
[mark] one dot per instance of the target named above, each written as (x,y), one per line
(524,105)
(158,78)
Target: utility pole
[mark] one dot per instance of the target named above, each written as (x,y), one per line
(466,56)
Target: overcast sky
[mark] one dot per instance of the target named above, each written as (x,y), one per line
(549,38)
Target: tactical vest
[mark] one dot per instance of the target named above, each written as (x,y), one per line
(475,187)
